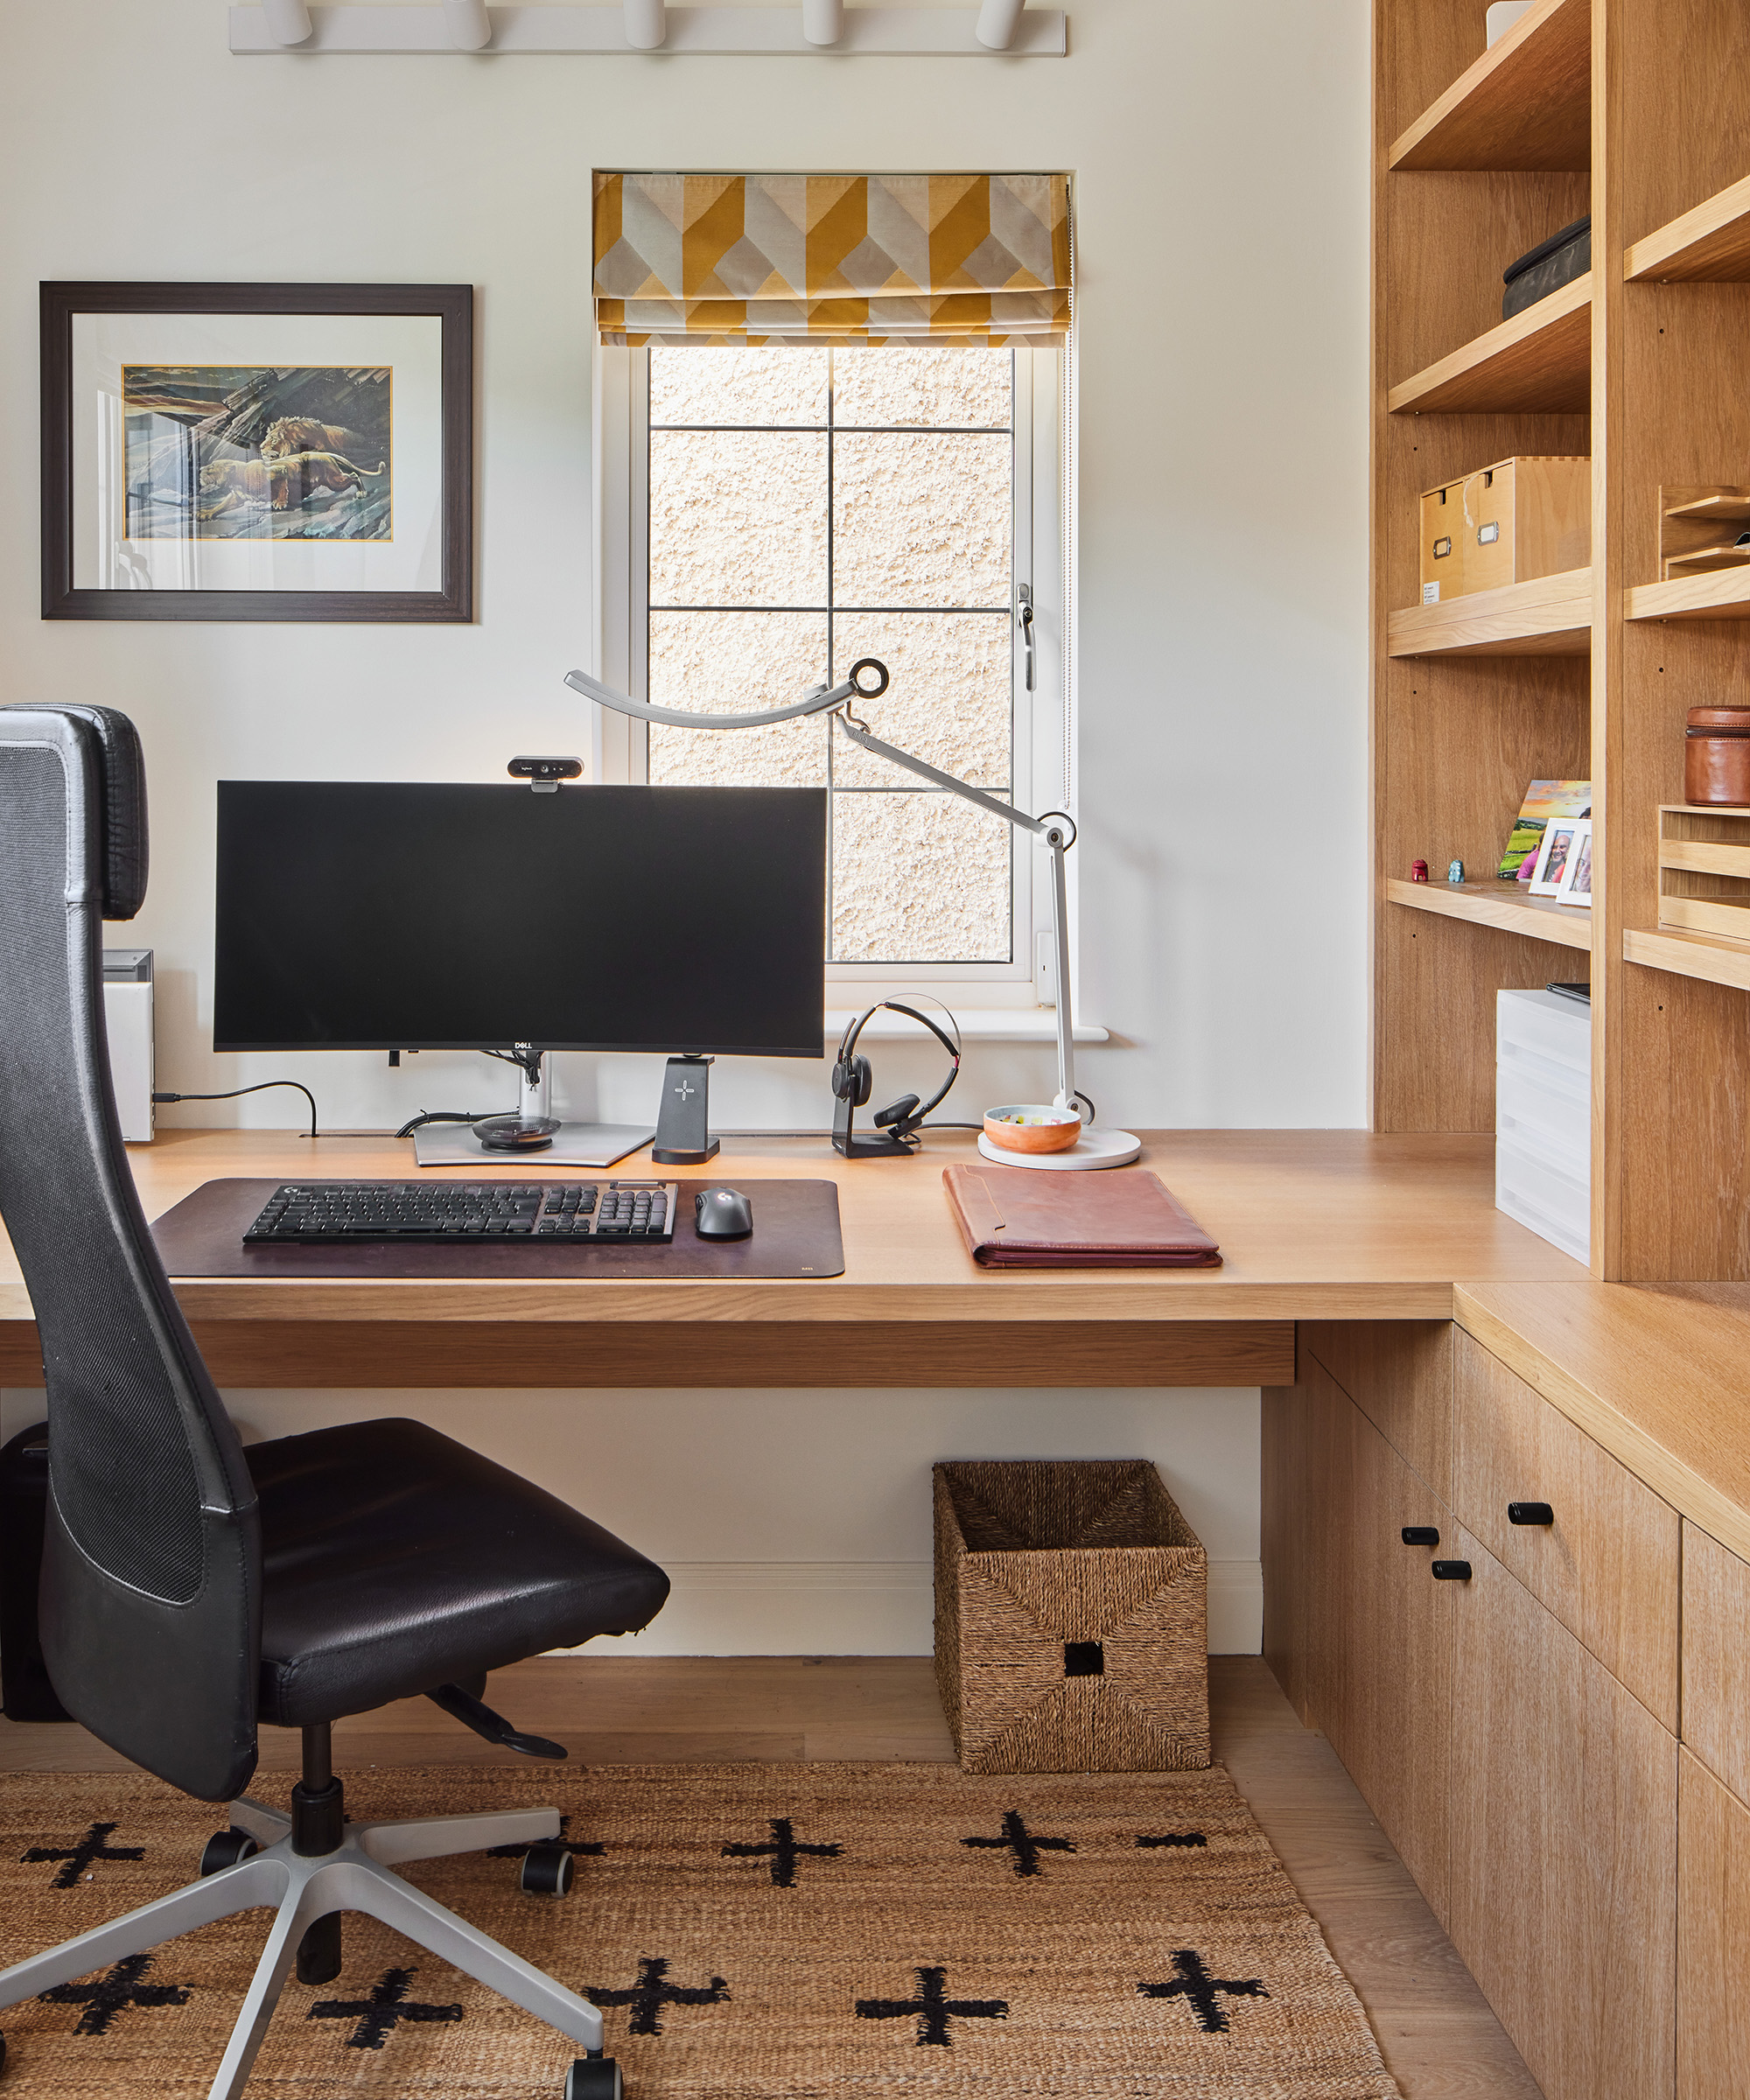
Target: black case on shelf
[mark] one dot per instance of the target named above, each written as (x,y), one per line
(1546,267)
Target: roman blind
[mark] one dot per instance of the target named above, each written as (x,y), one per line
(772,259)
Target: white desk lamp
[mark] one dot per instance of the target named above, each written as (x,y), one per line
(1094,1148)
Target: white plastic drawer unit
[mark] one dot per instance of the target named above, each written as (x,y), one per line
(1542,1117)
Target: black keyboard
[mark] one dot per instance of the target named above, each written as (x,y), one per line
(318,1213)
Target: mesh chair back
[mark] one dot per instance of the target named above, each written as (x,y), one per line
(152,1564)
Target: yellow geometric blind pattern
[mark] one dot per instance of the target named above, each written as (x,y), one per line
(770,259)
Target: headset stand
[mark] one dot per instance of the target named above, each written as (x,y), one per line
(683,1136)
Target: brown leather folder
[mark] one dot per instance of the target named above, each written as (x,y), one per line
(1016,1217)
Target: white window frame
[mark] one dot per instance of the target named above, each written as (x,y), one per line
(1042,741)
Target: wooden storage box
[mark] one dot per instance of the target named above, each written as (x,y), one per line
(1705,870)
(1521,518)
(1071,1618)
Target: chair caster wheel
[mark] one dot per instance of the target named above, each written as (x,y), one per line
(547,1871)
(225,1848)
(594,2078)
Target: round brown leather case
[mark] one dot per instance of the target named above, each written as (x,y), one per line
(1717,756)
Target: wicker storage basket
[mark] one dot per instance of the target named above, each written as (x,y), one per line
(1071,1603)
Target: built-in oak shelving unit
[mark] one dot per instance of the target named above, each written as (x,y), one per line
(1500,905)
(1644,367)
(1539,363)
(1525,103)
(1710,245)
(1547,616)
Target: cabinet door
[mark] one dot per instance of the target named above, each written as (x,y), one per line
(1715,1666)
(1399,1373)
(1563,1861)
(1390,1724)
(1358,1634)
(1713,1939)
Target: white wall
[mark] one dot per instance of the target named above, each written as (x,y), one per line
(1220,156)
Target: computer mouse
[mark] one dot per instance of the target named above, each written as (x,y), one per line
(724,1214)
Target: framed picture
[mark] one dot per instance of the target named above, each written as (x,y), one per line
(257,451)
(1554,851)
(1576,881)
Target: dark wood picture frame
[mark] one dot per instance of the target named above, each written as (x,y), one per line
(451,305)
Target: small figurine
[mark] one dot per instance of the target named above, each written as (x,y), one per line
(1419,870)
(1456,872)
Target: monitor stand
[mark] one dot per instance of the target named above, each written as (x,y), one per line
(569,1144)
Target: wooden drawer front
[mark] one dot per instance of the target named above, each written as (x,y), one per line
(1564,1846)
(1399,1373)
(1716,1723)
(1609,1565)
(1713,1939)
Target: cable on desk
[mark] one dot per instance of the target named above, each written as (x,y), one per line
(425,1116)
(260,1089)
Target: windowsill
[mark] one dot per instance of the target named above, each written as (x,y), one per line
(992,1025)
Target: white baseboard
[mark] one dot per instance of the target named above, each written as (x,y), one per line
(862,1609)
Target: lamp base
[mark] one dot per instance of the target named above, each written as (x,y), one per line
(1092,1150)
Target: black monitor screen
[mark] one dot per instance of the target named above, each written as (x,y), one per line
(361,915)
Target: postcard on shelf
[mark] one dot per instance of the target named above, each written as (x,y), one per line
(1543,799)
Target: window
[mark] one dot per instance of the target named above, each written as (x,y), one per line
(787,511)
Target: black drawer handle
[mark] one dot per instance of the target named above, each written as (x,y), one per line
(1530,1513)
(1421,1535)
(1452,1570)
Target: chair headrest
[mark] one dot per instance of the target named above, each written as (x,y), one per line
(122,798)
(109,741)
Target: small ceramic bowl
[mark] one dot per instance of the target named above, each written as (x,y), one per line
(1028,1127)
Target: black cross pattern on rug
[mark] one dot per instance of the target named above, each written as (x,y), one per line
(652,1992)
(382,2012)
(784,1851)
(93,1846)
(1204,1991)
(1019,1840)
(932,2007)
(114,1993)
(579,1849)
(1172,1838)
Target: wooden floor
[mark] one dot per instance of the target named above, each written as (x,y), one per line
(1439,2039)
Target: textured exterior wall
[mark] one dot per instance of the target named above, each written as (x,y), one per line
(880,540)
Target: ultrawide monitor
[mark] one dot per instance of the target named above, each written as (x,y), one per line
(363,915)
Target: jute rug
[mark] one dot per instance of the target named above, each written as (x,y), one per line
(753,1932)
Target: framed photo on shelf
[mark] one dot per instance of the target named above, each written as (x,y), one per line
(1576,881)
(1555,851)
(257,451)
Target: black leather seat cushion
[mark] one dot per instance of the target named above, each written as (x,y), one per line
(395,1560)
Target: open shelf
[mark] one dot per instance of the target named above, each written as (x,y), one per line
(1716,594)
(1496,904)
(1719,509)
(1526,104)
(1546,616)
(1539,363)
(1710,245)
(1707,955)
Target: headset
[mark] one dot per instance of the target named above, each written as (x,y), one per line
(851,1082)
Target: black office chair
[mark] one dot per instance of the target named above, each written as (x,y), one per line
(191,1590)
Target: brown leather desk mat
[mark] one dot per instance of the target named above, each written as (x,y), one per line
(796,1234)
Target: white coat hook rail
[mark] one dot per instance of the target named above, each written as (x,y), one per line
(826,28)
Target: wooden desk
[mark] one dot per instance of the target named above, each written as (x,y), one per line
(1314,1225)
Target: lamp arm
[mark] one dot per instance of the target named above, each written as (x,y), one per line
(1052,830)
(812,702)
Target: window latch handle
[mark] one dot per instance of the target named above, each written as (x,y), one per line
(1023,598)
